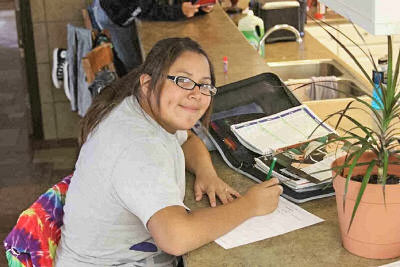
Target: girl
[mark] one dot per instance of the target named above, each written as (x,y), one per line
(125,204)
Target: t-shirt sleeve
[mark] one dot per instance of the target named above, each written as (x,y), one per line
(144,180)
(181,136)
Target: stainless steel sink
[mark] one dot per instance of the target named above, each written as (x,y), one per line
(297,76)
(345,88)
(304,69)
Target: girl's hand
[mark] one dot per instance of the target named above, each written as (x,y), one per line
(263,198)
(212,185)
(189,9)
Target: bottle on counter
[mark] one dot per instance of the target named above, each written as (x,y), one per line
(377,104)
(252,28)
(383,65)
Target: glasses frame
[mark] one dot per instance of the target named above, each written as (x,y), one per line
(175,80)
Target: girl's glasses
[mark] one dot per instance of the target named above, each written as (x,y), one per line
(189,84)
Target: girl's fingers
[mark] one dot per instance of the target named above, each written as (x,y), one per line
(198,193)
(211,197)
(222,195)
(234,192)
(271,182)
(229,198)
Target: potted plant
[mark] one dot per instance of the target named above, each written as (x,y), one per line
(366,180)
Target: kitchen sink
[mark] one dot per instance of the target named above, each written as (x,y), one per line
(304,69)
(297,76)
(345,88)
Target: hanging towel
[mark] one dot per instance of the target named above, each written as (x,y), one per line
(323,88)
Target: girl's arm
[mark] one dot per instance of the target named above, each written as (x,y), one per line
(176,231)
(198,162)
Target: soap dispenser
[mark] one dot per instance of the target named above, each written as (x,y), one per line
(252,28)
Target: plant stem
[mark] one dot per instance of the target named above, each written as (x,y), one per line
(380,174)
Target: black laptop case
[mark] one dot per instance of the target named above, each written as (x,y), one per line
(245,100)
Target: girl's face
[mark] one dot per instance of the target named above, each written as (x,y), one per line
(179,108)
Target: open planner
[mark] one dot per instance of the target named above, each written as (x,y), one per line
(298,140)
(270,133)
(258,119)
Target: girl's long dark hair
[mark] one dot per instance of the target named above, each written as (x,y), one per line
(157,63)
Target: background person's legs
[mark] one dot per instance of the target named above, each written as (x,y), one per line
(84,45)
(122,38)
(71,81)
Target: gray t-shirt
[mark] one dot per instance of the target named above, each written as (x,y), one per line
(127,170)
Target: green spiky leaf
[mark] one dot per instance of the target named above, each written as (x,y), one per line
(364,184)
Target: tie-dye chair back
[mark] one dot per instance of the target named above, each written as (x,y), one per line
(33,240)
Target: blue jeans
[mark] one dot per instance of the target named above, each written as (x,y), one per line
(79,44)
(122,38)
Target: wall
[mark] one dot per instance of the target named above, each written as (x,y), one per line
(50,18)
(379,17)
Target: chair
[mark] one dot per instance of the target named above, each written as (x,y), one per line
(33,240)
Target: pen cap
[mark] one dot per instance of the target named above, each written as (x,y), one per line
(225,59)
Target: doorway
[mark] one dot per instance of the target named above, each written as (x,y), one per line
(16,41)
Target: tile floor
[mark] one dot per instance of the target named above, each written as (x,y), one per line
(27,168)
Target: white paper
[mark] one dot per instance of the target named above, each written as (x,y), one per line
(286,218)
(393,264)
(283,129)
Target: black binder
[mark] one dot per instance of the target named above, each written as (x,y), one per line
(267,92)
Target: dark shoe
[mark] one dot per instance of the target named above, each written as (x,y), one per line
(59,59)
(66,81)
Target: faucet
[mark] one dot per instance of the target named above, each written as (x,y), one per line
(280,27)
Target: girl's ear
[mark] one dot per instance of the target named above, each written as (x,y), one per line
(145,80)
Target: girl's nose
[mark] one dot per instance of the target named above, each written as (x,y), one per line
(195,93)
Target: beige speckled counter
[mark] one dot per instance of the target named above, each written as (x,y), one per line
(219,37)
(317,245)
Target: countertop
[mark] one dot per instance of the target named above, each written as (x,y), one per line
(317,245)
(218,36)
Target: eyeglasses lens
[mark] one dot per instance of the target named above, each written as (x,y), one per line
(185,83)
(188,84)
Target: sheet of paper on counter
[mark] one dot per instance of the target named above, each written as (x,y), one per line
(286,218)
(393,264)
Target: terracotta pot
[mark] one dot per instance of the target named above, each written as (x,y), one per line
(375,231)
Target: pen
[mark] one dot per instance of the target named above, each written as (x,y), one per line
(271,168)
(230,143)
(224,136)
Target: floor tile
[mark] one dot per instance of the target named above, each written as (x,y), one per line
(9,137)
(14,157)
(13,121)
(27,169)
(62,158)
(19,197)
